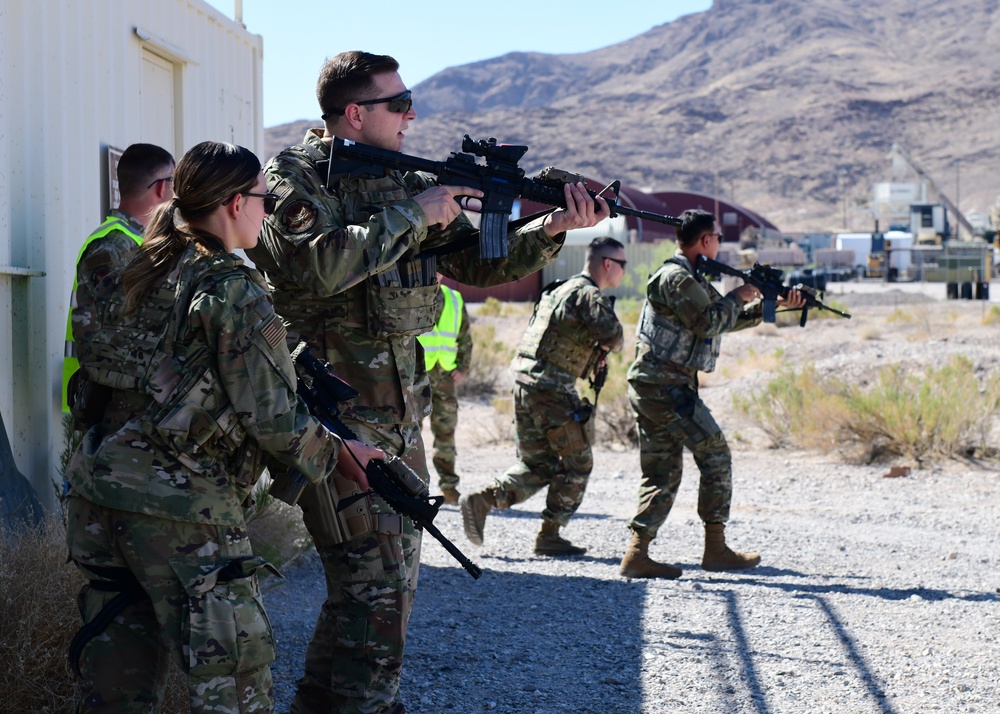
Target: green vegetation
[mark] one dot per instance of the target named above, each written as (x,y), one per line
(940,412)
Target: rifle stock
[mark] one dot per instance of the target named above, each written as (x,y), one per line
(500,179)
(769,281)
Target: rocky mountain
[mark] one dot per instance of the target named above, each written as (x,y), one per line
(786,106)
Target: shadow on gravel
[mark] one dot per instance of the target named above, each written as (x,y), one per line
(853,653)
(806,589)
(522,642)
(515,512)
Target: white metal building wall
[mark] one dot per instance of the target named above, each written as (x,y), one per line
(70,84)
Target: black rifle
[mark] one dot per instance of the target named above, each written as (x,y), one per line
(771,285)
(500,179)
(391,478)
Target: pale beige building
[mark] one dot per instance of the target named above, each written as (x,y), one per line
(78,77)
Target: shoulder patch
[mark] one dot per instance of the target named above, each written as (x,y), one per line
(298,217)
(274,332)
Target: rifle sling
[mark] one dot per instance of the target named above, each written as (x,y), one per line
(130,591)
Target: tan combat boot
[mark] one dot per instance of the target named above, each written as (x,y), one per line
(638,564)
(450,494)
(549,542)
(474,507)
(718,556)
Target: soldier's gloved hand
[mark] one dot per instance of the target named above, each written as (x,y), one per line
(353,460)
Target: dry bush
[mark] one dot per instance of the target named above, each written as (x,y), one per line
(869,332)
(943,412)
(991,316)
(38,618)
(499,428)
(749,362)
(615,418)
(490,359)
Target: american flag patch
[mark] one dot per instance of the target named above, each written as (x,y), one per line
(274,332)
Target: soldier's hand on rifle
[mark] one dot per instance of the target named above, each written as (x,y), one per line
(745,293)
(441,205)
(353,460)
(793,300)
(580,211)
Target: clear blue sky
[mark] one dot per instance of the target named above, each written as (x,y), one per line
(427,36)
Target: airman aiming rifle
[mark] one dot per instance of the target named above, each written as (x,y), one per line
(500,179)
(771,285)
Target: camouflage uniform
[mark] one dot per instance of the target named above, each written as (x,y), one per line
(444,402)
(191,390)
(98,257)
(679,334)
(343,264)
(570,323)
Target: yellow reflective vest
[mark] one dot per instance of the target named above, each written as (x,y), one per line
(70,361)
(441,344)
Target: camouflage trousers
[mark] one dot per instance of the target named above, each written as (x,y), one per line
(553,450)
(444,419)
(354,659)
(203,610)
(670,418)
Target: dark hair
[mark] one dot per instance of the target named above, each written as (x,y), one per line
(206,175)
(140,165)
(694,222)
(600,247)
(347,78)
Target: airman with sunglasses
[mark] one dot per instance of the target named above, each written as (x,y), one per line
(679,334)
(349,256)
(569,336)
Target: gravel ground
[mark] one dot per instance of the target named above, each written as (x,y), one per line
(875,594)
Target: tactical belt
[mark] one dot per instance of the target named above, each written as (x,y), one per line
(130,591)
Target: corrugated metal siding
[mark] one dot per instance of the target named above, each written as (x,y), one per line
(70,76)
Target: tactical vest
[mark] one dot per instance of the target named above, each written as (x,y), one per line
(558,342)
(670,341)
(441,343)
(186,410)
(71,362)
(397,302)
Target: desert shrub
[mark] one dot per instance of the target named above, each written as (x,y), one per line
(991,316)
(941,412)
(615,416)
(499,428)
(492,307)
(490,358)
(38,618)
(628,311)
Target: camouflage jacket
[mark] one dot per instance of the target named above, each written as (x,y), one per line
(572,320)
(346,274)
(98,258)
(198,383)
(683,318)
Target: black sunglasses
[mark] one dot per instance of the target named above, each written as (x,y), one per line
(621,263)
(398,104)
(168,179)
(270,200)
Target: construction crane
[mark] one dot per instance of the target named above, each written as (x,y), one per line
(901,153)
